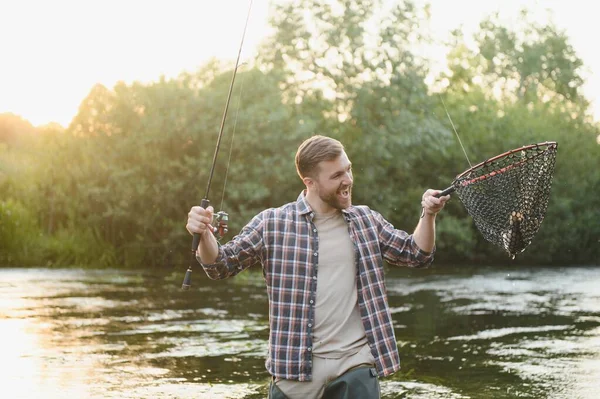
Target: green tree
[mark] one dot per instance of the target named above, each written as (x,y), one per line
(13,129)
(114,187)
(350,68)
(522,87)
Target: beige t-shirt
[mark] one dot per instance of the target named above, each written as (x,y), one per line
(338,329)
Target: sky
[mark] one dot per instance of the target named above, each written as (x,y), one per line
(53,52)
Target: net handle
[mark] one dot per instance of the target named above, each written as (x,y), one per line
(447,191)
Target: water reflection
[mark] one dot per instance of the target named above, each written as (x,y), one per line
(528,333)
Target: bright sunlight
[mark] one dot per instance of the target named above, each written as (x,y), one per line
(54,52)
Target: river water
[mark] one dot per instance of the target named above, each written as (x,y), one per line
(462,333)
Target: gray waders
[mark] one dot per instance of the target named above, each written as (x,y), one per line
(359,383)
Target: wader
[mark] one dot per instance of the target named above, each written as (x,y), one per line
(358,383)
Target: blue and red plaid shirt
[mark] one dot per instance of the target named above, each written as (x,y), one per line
(285,241)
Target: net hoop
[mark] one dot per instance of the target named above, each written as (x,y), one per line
(463,178)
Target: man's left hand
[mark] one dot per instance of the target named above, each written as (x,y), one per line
(431,204)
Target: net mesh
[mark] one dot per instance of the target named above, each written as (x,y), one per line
(507,196)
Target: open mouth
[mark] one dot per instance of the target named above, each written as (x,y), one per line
(344,192)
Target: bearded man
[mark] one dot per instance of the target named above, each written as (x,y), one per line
(331,332)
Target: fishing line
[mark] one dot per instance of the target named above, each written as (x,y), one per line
(455,132)
(212,169)
(237,113)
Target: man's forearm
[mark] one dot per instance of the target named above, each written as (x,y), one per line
(424,234)
(208,249)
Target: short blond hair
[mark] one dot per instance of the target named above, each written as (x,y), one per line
(315,150)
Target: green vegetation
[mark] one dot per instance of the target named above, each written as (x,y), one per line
(114,187)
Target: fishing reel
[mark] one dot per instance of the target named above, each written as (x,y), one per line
(220,225)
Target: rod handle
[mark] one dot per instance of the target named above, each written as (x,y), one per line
(187,280)
(196,241)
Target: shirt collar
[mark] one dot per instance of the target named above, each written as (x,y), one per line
(302,205)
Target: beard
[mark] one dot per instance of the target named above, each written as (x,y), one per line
(338,199)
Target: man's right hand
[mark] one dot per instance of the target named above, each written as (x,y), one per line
(200,220)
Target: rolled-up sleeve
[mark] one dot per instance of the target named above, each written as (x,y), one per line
(399,248)
(243,251)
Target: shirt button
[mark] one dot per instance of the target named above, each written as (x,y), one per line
(310,325)
(309,349)
(314,230)
(314,277)
(315,254)
(311,301)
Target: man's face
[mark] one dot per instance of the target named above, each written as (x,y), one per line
(334,182)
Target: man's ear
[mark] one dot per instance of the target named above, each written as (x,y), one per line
(308,182)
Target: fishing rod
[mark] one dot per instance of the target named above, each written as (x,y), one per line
(222,218)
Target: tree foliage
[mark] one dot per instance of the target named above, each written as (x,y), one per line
(114,187)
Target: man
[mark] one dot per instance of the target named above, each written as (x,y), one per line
(331,330)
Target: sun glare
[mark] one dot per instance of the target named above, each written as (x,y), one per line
(55,52)
(52,57)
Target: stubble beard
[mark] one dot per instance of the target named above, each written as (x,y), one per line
(337,200)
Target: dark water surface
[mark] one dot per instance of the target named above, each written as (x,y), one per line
(462,333)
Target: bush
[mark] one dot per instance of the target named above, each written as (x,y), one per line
(18,234)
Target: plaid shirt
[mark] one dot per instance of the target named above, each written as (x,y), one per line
(285,241)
